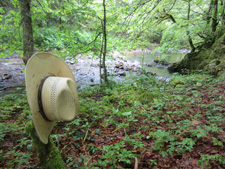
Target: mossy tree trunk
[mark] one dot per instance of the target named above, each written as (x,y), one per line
(28,45)
(209,12)
(214,18)
(210,58)
(48,155)
(188,32)
(210,55)
(223,14)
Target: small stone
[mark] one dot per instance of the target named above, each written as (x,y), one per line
(212,65)
(150,73)
(199,84)
(6,76)
(121,73)
(120,65)
(148,65)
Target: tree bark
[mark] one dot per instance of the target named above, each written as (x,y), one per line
(209,12)
(223,14)
(28,45)
(190,42)
(105,43)
(61,14)
(172,18)
(48,154)
(214,19)
(100,61)
(188,32)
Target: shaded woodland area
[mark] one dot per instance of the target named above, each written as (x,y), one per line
(143,122)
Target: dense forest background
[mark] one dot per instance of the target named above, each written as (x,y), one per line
(142,122)
(72,27)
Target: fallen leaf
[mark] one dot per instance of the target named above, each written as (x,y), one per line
(195,122)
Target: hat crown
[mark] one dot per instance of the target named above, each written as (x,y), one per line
(59,98)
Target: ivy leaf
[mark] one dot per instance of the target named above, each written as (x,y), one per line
(127,113)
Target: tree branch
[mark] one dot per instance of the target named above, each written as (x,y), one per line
(89,44)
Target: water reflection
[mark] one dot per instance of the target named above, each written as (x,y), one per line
(146,61)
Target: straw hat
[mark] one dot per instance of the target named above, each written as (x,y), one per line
(51,92)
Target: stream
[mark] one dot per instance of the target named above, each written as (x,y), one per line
(86,69)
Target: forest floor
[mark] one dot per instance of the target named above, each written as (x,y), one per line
(144,122)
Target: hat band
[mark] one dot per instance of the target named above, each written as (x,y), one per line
(41,109)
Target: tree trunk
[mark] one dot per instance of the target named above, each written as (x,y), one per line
(61,14)
(188,32)
(28,45)
(190,42)
(223,15)
(209,12)
(100,61)
(105,43)
(214,19)
(48,154)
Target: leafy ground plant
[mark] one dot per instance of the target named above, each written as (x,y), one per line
(163,126)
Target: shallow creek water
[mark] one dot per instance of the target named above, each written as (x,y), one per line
(146,61)
(85,69)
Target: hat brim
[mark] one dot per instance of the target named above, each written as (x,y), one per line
(39,66)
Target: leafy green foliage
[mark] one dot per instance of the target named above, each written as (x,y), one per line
(10,32)
(47,38)
(13,115)
(143,119)
(112,154)
(206,158)
(76,26)
(146,118)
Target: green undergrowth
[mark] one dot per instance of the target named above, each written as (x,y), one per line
(15,146)
(164,123)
